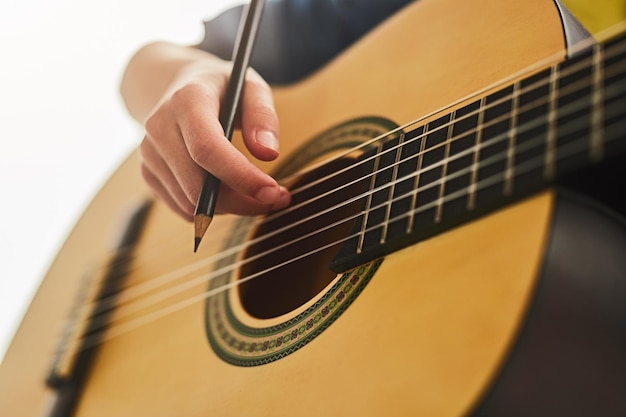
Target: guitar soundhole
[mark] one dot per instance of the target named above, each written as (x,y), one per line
(289,267)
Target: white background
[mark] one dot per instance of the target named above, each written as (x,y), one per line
(63,127)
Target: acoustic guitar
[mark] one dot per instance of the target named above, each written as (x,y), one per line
(431,263)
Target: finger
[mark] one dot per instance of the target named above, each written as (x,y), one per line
(166,140)
(166,155)
(232,202)
(152,159)
(259,122)
(229,201)
(209,148)
(161,192)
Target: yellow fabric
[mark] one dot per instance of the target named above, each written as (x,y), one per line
(597,15)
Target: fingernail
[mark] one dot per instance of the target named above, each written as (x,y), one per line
(268,195)
(284,197)
(267,139)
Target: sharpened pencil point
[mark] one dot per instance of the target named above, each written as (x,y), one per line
(201,224)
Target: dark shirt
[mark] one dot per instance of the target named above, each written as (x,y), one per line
(298,36)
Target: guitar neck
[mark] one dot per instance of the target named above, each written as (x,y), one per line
(491,152)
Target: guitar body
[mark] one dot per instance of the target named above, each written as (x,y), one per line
(429,330)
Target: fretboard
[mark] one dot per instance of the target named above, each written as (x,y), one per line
(490,153)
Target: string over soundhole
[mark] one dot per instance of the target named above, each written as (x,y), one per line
(296,245)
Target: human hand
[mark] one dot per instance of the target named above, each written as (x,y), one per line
(184,138)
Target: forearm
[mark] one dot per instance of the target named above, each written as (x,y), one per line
(154,70)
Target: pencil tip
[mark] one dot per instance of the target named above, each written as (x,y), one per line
(201,224)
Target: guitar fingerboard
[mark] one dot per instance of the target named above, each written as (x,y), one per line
(491,152)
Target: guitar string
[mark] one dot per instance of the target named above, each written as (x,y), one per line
(568,150)
(574,68)
(505,82)
(120,329)
(525,72)
(571,69)
(147,286)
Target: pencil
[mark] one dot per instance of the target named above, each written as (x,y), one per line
(205,207)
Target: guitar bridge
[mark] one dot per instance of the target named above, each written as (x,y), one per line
(86,325)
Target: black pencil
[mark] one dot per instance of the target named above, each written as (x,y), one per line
(205,207)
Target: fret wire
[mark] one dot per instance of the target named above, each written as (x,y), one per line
(420,162)
(550,154)
(471,197)
(392,188)
(614,51)
(527,126)
(568,129)
(368,204)
(597,114)
(422,151)
(504,137)
(529,106)
(444,168)
(510,158)
(610,52)
(535,163)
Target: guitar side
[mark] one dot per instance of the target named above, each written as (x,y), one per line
(426,342)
